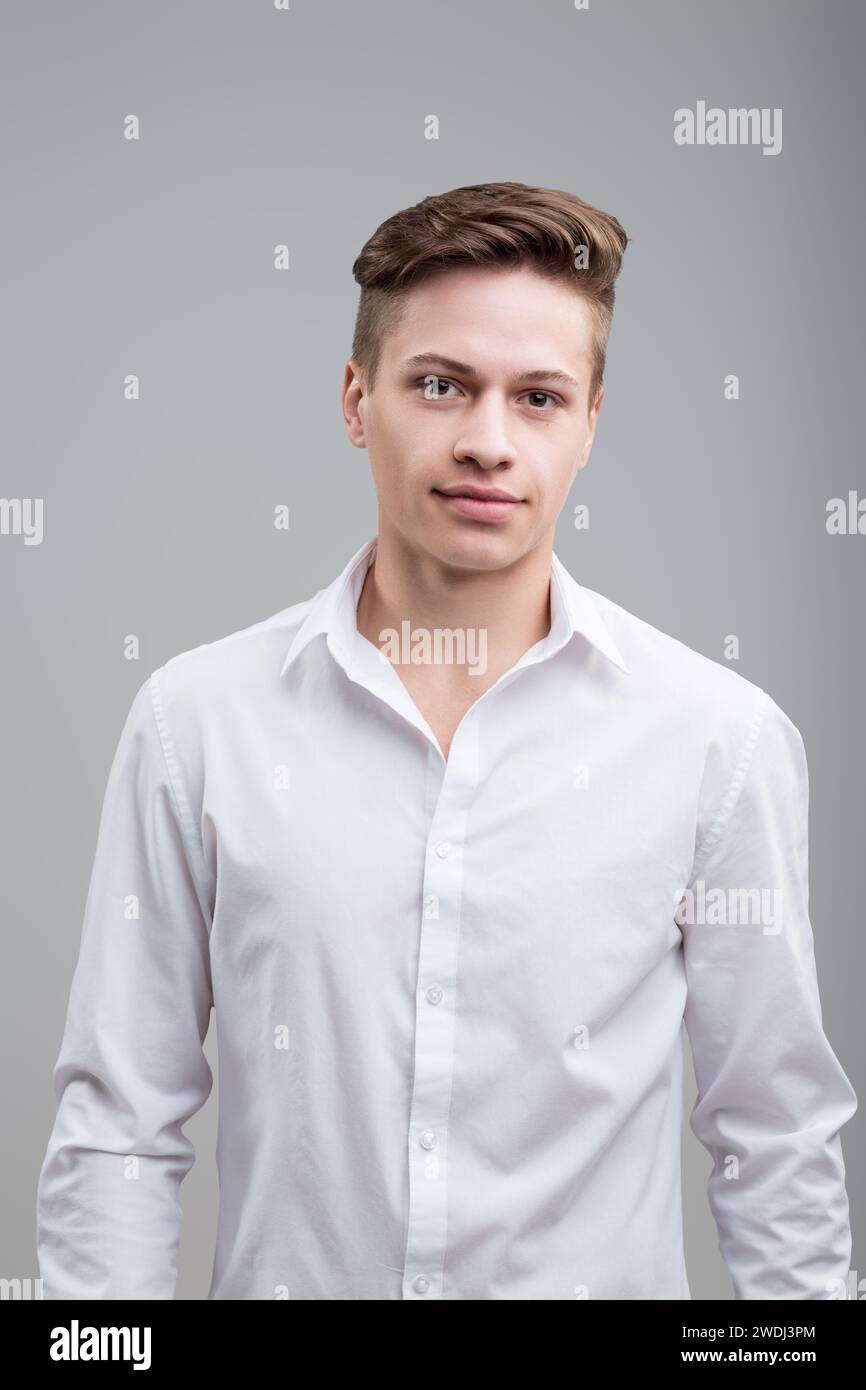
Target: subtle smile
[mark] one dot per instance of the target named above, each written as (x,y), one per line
(480,504)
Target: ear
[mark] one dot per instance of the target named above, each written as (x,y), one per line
(590,437)
(353,402)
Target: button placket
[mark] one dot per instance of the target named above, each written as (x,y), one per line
(434,1026)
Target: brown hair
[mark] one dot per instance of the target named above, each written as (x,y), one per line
(507,224)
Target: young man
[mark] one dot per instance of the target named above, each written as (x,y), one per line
(453,848)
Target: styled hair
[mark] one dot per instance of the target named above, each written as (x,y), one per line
(488,224)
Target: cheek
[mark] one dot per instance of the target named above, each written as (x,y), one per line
(419,433)
(568,464)
(557,470)
(411,449)
(401,456)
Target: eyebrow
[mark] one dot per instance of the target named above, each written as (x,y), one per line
(435,359)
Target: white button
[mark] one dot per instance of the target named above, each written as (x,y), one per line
(434,994)
(428,1139)
(421,1285)
(444,849)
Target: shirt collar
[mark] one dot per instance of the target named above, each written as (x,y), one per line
(333,611)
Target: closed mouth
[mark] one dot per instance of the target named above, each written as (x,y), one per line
(478,493)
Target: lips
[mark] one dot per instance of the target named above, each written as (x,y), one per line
(483,494)
(480,504)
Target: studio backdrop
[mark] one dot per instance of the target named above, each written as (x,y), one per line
(186,187)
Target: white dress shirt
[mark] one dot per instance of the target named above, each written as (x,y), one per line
(449,995)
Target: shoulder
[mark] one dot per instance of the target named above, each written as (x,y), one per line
(686,694)
(224,678)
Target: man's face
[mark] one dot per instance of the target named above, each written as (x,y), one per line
(486,404)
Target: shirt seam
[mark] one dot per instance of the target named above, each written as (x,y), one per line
(735,786)
(192,843)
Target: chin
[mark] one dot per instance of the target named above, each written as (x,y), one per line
(474,549)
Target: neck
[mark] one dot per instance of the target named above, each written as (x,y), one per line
(511,604)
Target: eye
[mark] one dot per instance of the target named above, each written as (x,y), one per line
(548,394)
(430,386)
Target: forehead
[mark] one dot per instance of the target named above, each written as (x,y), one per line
(490,314)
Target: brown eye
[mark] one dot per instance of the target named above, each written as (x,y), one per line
(548,394)
(430,385)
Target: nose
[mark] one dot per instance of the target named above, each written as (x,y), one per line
(484,437)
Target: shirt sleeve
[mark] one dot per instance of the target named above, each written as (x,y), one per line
(131,1068)
(772,1095)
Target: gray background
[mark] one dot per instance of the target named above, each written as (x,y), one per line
(155,257)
